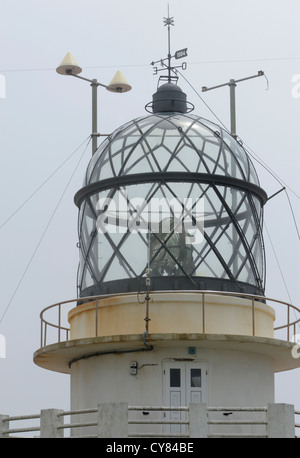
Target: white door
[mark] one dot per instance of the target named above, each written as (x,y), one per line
(184,383)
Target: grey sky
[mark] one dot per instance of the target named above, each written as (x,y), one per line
(44,117)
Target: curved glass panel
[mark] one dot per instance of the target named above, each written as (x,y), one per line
(180,142)
(192,235)
(177,229)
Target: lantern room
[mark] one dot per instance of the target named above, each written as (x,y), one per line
(172,194)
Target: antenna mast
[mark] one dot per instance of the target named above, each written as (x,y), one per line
(169,21)
(178,55)
(232,85)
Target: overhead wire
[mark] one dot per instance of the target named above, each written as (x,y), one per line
(278,264)
(293,214)
(206,104)
(269,170)
(42,184)
(281,273)
(248,149)
(44,232)
(266,167)
(252,154)
(282,183)
(204,62)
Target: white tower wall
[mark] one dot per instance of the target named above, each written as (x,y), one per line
(235,369)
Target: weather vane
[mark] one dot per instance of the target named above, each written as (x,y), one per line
(178,55)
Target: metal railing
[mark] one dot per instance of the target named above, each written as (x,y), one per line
(63,332)
(213,426)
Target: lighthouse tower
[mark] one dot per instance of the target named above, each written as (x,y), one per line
(171,307)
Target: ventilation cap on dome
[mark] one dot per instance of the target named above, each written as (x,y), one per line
(169,98)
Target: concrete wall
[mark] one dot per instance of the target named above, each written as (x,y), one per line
(111,420)
(172,312)
(237,375)
(234,378)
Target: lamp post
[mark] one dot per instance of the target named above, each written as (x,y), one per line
(118,84)
(232,85)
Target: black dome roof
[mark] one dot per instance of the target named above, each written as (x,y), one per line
(169,98)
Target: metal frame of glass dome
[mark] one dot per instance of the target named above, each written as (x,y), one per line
(173,155)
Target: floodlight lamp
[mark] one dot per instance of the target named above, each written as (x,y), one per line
(69,66)
(118,83)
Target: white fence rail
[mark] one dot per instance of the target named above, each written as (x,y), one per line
(117,420)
